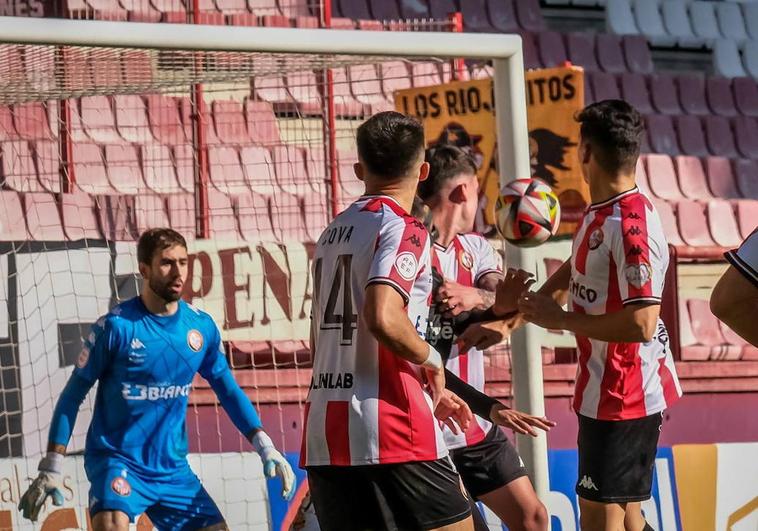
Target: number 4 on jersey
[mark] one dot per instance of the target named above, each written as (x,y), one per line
(340,289)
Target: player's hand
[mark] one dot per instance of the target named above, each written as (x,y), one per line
(542,310)
(453,412)
(518,421)
(485,334)
(435,378)
(274,463)
(48,483)
(508,291)
(455,298)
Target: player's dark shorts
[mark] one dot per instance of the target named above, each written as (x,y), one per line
(404,496)
(617,458)
(488,465)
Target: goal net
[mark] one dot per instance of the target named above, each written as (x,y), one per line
(241,139)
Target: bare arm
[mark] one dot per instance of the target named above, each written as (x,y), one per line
(457,298)
(735,302)
(558,284)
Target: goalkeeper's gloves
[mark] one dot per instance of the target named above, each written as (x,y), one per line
(47,483)
(274,463)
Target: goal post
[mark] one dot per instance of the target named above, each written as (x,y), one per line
(260,51)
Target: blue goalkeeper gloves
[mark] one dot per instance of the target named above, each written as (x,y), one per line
(47,483)
(274,463)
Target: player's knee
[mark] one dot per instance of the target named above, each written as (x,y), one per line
(536,518)
(109,522)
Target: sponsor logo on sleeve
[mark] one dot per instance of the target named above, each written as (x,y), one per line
(121,486)
(195,340)
(467,260)
(596,239)
(406,265)
(83,358)
(638,274)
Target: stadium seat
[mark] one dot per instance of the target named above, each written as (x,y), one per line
(668,221)
(747,216)
(165,121)
(187,113)
(229,120)
(746,96)
(137,67)
(43,218)
(131,119)
(231,6)
(272,90)
(718,171)
(262,125)
(345,105)
(223,219)
(366,86)
(529,48)
(425,74)
(690,133)
(184,162)
(580,48)
(726,58)
(12,225)
(7,130)
(354,9)
(641,176)
(677,23)
(690,350)
(604,86)
(731,23)
(259,169)
(748,351)
(316,212)
(31,121)
(637,54)
(693,225)
(255,217)
(158,169)
(181,213)
(290,170)
(316,167)
(275,21)
(662,177)
(746,136)
(691,90)
(502,16)
(647,14)
(226,172)
(750,15)
(350,187)
(718,134)
(619,18)
(307,22)
(47,158)
(242,19)
(123,169)
(342,23)
(167,6)
(663,94)
(719,95)
(19,172)
(151,212)
(89,169)
(529,15)
(551,48)
(474,13)
(660,130)
(370,25)
(704,23)
(692,181)
(722,223)
(750,58)
(117,216)
(610,53)
(287,217)
(79,215)
(412,9)
(706,329)
(303,88)
(746,177)
(394,77)
(589,96)
(74,126)
(634,90)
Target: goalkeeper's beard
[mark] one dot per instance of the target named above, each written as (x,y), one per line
(164,291)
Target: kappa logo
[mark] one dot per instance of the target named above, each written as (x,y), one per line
(137,344)
(587,483)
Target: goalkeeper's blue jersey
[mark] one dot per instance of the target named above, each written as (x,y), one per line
(144,365)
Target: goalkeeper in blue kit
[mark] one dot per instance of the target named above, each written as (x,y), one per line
(144,353)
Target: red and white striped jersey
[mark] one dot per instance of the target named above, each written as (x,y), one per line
(467,259)
(365,404)
(745,258)
(620,256)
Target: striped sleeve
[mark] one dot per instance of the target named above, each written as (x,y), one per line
(745,258)
(487,259)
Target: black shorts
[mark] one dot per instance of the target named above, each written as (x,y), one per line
(616,458)
(404,496)
(488,465)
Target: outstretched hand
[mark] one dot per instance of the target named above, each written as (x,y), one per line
(514,284)
(519,422)
(453,412)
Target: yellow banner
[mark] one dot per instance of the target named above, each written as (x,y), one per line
(462,113)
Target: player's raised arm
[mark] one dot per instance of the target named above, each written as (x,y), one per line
(92,360)
(216,370)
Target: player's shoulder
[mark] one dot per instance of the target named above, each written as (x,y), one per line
(197,318)
(122,313)
(474,239)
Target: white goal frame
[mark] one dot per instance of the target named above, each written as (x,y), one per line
(510,100)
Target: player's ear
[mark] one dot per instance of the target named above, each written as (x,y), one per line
(142,267)
(585,153)
(358,170)
(423,171)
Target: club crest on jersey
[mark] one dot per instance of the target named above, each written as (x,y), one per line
(638,274)
(83,358)
(406,265)
(195,340)
(121,487)
(596,239)
(467,260)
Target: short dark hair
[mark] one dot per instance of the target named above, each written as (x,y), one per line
(446,162)
(153,240)
(614,130)
(390,143)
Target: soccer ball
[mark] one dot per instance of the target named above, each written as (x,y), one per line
(527,212)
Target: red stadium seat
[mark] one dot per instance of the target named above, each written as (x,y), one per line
(259,169)
(641,176)
(287,217)
(707,331)
(721,182)
(745,95)
(307,22)
(691,177)
(117,217)
(690,133)
(231,6)
(660,130)
(747,216)
(18,170)
(746,136)
(316,212)
(12,226)
(159,170)
(551,48)
(181,213)
(502,16)
(720,98)
(317,174)
(229,120)
(226,172)
(663,92)
(350,186)
(184,162)
(264,7)
(165,121)
(223,219)
(693,225)
(718,133)
(722,223)
(262,124)
(80,217)
(425,74)
(242,19)
(303,87)
(370,25)
(89,169)
(344,102)
(529,15)
(123,169)
(610,54)
(31,121)
(42,217)
(47,157)
(668,221)
(186,111)
(151,212)
(275,21)
(165,6)
(290,170)
(141,11)
(581,50)
(662,177)
(634,90)
(692,94)
(255,217)
(604,86)
(366,86)
(342,23)
(131,119)
(7,130)
(637,54)
(746,173)
(175,17)
(394,77)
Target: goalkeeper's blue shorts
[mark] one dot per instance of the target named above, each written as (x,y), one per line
(176,502)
